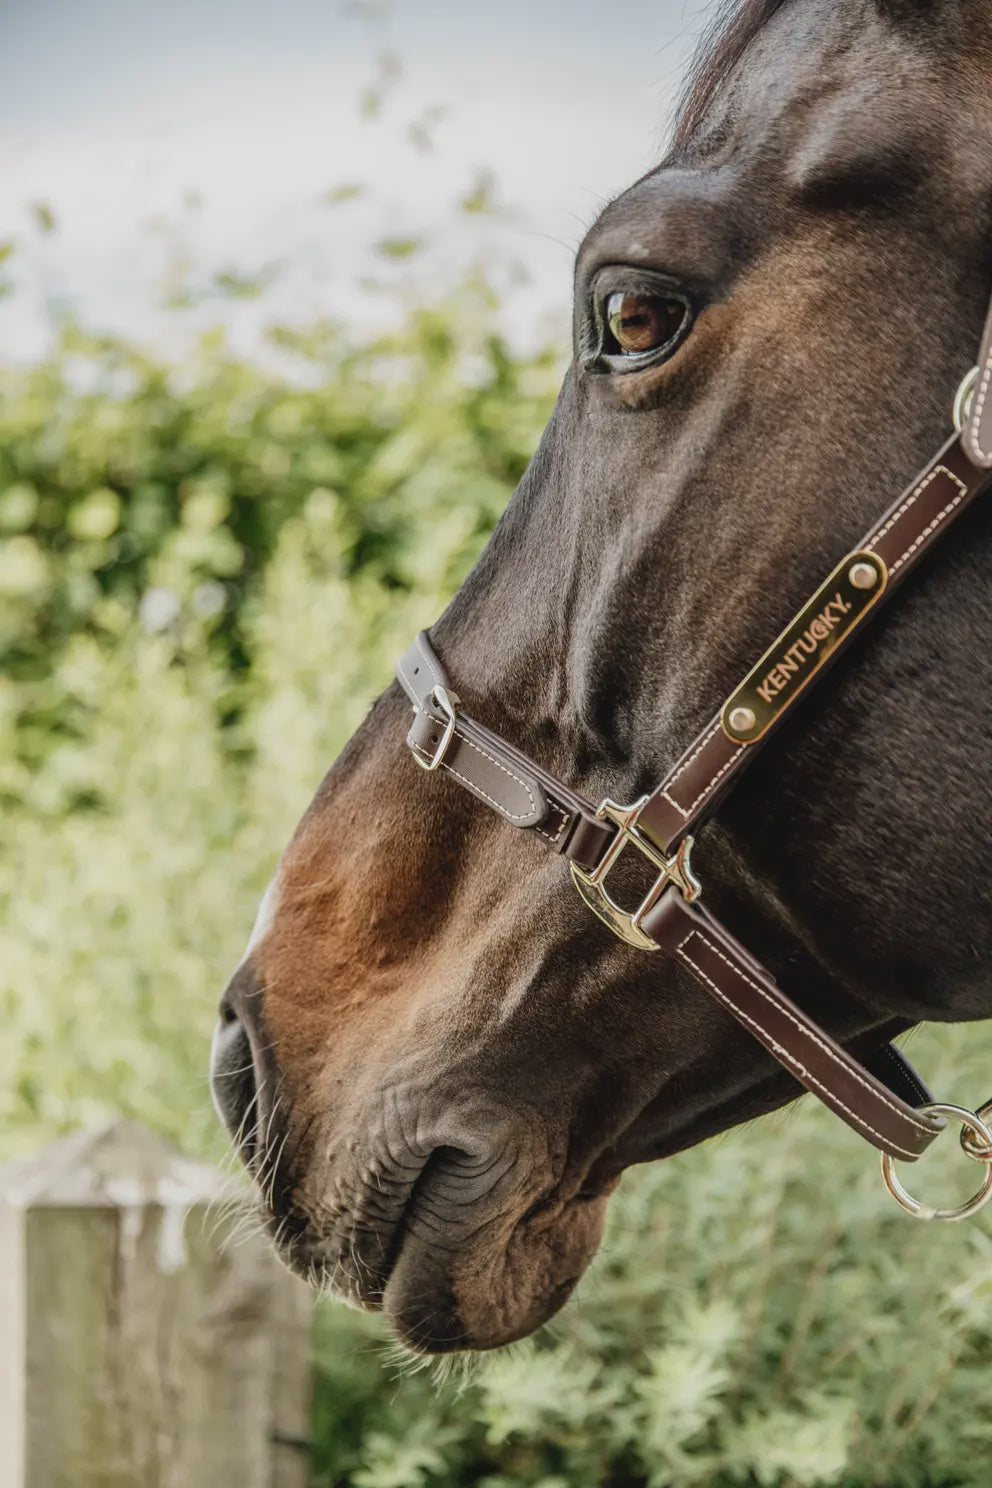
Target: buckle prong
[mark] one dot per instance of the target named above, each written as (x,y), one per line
(675,870)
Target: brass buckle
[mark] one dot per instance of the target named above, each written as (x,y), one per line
(676,870)
(447,702)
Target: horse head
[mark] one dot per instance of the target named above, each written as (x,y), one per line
(437,1063)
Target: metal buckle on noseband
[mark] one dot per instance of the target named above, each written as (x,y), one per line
(675,870)
(447,702)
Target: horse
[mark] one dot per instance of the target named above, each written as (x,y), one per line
(435,1062)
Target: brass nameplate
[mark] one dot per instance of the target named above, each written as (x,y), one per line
(788,666)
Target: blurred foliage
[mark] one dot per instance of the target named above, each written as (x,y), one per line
(131,487)
(205,573)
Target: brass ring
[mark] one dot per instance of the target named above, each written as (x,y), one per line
(977,1128)
(970,1144)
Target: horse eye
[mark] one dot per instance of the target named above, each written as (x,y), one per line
(641,323)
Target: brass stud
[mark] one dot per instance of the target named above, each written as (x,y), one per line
(742,720)
(863,576)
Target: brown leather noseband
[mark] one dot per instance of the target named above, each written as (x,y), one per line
(882,1098)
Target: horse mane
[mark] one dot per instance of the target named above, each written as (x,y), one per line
(723,44)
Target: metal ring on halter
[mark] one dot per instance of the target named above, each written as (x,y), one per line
(963,397)
(980,1152)
(971,1123)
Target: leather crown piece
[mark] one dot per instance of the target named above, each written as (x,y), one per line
(878,1098)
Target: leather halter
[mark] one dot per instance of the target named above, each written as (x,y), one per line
(881,1099)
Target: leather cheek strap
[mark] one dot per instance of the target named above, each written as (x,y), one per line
(707,949)
(714,762)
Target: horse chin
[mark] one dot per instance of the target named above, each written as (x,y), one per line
(463,1249)
(494,1290)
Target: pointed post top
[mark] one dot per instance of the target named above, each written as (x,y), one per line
(119,1165)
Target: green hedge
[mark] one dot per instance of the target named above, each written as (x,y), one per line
(128,482)
(205,572)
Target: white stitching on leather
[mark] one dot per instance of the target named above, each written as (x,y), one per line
(903,1114)
(409,682)
(800,1069)
(557,837)
(910,501)
(686,811)
(722,771)
(962,493)
(518,778)
(428,662)
(697,751)
(810,1033)
(425,754)
(510,816)
(976,417)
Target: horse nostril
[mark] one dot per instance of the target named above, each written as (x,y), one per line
(232,1081)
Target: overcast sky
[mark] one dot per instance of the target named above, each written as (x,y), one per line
(173,140)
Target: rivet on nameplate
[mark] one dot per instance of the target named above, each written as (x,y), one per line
(863,576)
(742,720)
(806,644)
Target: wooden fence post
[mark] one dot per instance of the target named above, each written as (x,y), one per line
(136,1349)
